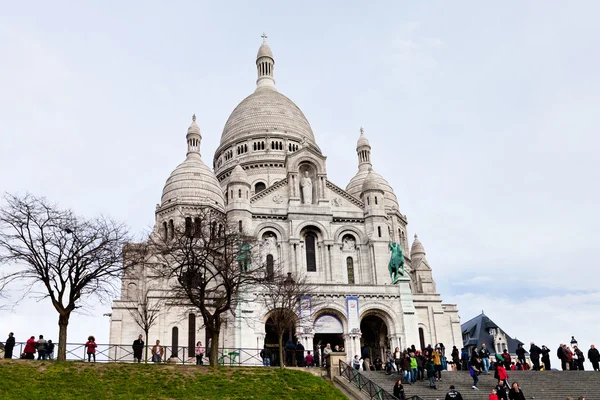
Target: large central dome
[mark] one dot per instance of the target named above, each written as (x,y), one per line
(266,110)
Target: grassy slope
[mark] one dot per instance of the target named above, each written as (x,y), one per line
(24,380)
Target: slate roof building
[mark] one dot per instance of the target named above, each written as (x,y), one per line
(482,329)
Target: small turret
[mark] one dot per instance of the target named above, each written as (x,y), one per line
(265,64)
(372,195)
(238,189)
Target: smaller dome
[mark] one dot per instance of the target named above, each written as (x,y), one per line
(417,247)
(362,140)
(238,175)
(371,183)
(264,51)
(194,128)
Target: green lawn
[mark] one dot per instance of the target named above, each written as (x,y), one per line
(25,379)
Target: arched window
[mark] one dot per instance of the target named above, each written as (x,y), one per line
(174,341)
(188,226)
(240,226)
(375,200)
(197,227)
(132,291)
(165,230)
(171,229)
(270,267)
(368,201)
(191,334)
(226,197)
(422,338)
(379,231)
(259,187)
(350,267)
(240,193)
(311,256)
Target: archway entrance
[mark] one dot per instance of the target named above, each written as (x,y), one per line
(328,329)
(374,335)
(272,341)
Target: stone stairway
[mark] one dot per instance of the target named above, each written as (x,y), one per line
(543,385)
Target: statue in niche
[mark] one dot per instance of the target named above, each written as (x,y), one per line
(306,186)
(396,261)
(270,244)
(348,243)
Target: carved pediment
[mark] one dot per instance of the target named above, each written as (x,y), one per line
(341,193)
(276,193)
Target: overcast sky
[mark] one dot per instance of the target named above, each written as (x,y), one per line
(482,116)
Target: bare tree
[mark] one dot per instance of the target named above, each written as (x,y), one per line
(69,258)
(289,301)
(208,262)
(145,312)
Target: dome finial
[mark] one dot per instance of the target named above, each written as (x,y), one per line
(362,131)
(194,117)
(193,137)
(363,150)
(416,237)
(265,63)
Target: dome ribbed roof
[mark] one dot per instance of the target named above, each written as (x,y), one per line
(266,109)
(354,187)
(238,175)
(417,247)
(371,183)
(264,51)
(193,182)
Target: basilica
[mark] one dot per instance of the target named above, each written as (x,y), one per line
(270,174)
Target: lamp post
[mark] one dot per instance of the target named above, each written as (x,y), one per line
(573,342)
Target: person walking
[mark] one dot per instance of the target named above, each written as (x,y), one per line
(453,394)
(515,392)
(437,361)
(502,374)
(309,360)
(414,367)
(406,367)
(50,350)
(475,370)
(520,353)
(30,348)
(507,359)
(562,356)
(10,345)
(455,357)
(199,351)
(138,349)
(299,354)
(430,367)
(534,354)
(502,390)
(90,346)
(398,360)
(41,348)
(265,354)
(580,358)
(484,354)
(420,365)
(546,358)
(157,352)
(365,354)
(399,390)
(593,356)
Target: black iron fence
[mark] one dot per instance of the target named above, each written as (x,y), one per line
(124,353)
(373,390)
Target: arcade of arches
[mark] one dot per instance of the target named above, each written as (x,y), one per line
(328,328)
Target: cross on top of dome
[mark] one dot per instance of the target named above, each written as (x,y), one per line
(264,37)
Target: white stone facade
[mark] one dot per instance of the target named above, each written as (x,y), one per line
(270,174)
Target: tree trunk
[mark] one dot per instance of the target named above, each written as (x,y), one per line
(63,323)
(146,348)
(281,352)
(214,349)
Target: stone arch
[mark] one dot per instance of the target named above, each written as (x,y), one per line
(260,230)
(333,309)
(426,334)
(349,229)
(132,293)
(317,164)
(320,227)
(258,181)
(382,311)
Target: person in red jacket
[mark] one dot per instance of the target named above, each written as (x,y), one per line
(30,348)
(493,395)
(90,346)
(502,374)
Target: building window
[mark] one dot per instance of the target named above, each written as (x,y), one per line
(240,193)
(311,257)
(174,341)
(350,267)
(240,226)
(188,227)
(171,229)
(191,334)
(270,267)
(375,200)
(368,201)
(379,231)
(259,187)
(165,230)
(422,338)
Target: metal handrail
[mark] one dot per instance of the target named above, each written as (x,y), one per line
(229,356)
(373,390)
